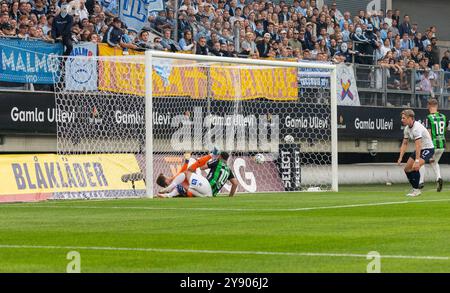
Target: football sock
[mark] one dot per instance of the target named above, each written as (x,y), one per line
(177,180)
(200,162)
(173,193)
(437,169)
(422,174)
(409,176)
(415,176)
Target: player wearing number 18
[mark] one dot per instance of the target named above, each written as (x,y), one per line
(424,149)
(436,124)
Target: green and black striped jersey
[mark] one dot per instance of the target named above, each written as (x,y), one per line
(437,123)
(218,175)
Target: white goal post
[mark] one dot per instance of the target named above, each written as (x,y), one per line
(144,112)
(149,55)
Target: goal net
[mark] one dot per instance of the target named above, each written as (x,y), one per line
(277,120)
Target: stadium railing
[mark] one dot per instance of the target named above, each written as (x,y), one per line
(379,86)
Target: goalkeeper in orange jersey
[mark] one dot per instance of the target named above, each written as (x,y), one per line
(179,186)
(188,183)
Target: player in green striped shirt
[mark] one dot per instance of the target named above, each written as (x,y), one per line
(436,124)
(196,184)
(220,173)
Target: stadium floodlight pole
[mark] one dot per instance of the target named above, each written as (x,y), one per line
(334,132)
(148,125)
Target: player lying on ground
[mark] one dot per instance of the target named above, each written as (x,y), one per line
(436,124)
(188,183)
(424,149)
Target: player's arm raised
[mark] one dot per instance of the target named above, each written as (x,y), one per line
(402,150)
(234,186)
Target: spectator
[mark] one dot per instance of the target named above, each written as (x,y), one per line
(143,41)
(248,45)
(14,14)
(394,29)
(7,30)
(113,35)
(231,50)
(216,50)
(434,51)
(425,86)
(201,47)
(214,38)
(414,30)
(346,32)
(426,39)
(445,60)
(39,8)
(396,17)
(345,19)
(157,44)
(187,43)
(284,15)
(62,29)
(418,42)
(94,38)
(294,43)
(405,27)
(429,55)
(264,46)
(406,42)
(169,44)
(224,49)
(388,18)
(259,29)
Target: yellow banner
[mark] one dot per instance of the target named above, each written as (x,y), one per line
(227,82)
(50,173)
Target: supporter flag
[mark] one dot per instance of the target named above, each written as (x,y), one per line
(163,67)
(29,61)
(134,13)
(347,93)
(81,71)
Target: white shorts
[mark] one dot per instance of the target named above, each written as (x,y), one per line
(199,186)
(437,154)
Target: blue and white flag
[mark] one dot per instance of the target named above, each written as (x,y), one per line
(29,61)
(163,67)
(134,13)
(81,68)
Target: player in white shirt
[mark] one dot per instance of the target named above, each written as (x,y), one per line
(424,149)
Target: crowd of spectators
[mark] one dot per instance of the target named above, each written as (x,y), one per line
(242,28)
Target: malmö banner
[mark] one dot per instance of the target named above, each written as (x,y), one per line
(29,61)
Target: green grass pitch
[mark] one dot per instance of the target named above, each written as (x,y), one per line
(278,232)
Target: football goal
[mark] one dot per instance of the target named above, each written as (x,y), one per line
(276,119)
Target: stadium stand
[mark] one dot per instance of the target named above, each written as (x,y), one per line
(248,29)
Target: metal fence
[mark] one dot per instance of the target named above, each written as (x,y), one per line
(381,86)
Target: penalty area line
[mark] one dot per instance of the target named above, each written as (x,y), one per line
(227,252)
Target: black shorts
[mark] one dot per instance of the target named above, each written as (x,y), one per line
(425,154)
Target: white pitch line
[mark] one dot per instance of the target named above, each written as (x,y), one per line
(232,252)
(228,209)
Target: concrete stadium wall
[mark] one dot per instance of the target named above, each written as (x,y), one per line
(370,174)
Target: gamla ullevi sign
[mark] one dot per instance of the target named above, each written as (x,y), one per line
(36,115)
